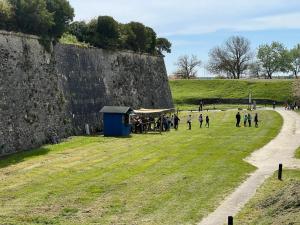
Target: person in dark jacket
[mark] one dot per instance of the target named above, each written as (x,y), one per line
(249,119)
(200,120)
(176,121)
(207,121)
(256,120)
(238,119)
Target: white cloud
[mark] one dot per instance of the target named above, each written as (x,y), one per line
(177,17)
(280,21)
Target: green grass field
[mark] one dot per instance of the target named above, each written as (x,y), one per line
(276,202)
(174,178)
(183,90)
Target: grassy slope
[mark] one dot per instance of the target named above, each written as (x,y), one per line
(280,90)
(174,178)
(276,202)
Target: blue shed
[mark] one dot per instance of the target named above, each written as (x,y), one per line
(116,120)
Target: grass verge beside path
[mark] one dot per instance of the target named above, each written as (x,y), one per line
(276,202)
(174,178)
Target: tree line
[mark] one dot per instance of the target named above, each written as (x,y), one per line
(235,59)
(52,19)
(105,32)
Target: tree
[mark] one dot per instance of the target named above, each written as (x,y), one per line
(295,60)
(187,66)
(47,18)
(6,14)
(150,40)
(32,16)
(91,32)
(163,45)
(79,29)
(108,32)
(233,58)
(273,58)
(135,37)
(62,13)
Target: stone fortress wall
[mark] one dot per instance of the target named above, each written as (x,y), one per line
(45,93)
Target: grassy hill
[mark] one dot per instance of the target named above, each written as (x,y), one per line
(182,90)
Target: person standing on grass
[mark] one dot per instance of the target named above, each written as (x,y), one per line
(256,120)
(189,121)
(207,121)
(200,120)
(176,121)
(201,106)
(249,119)
(245,120)
(274,105)
(238,119)
(172,121)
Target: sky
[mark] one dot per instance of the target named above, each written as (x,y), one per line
(196,26)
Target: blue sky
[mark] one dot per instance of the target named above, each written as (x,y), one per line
(196,26)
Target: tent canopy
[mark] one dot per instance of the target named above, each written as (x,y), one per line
(153,111)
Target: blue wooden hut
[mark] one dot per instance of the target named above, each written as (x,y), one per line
(116,120)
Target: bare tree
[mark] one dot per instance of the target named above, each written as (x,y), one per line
(187,66)
(233,58)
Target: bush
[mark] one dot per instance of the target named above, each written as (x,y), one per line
(70,39)
(6,13)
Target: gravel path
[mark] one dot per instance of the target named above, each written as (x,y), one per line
(280,150)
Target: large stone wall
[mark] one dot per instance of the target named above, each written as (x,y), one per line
(47,93)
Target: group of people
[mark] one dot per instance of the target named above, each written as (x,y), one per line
(165,123)
(200,119)
(247,118)
(292,106)
(145,124)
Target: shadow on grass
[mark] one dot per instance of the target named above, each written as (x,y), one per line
(117,137)
(150,133)
(22,156)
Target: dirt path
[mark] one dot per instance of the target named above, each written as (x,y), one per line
(280,150)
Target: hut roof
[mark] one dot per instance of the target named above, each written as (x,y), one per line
(116,109)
